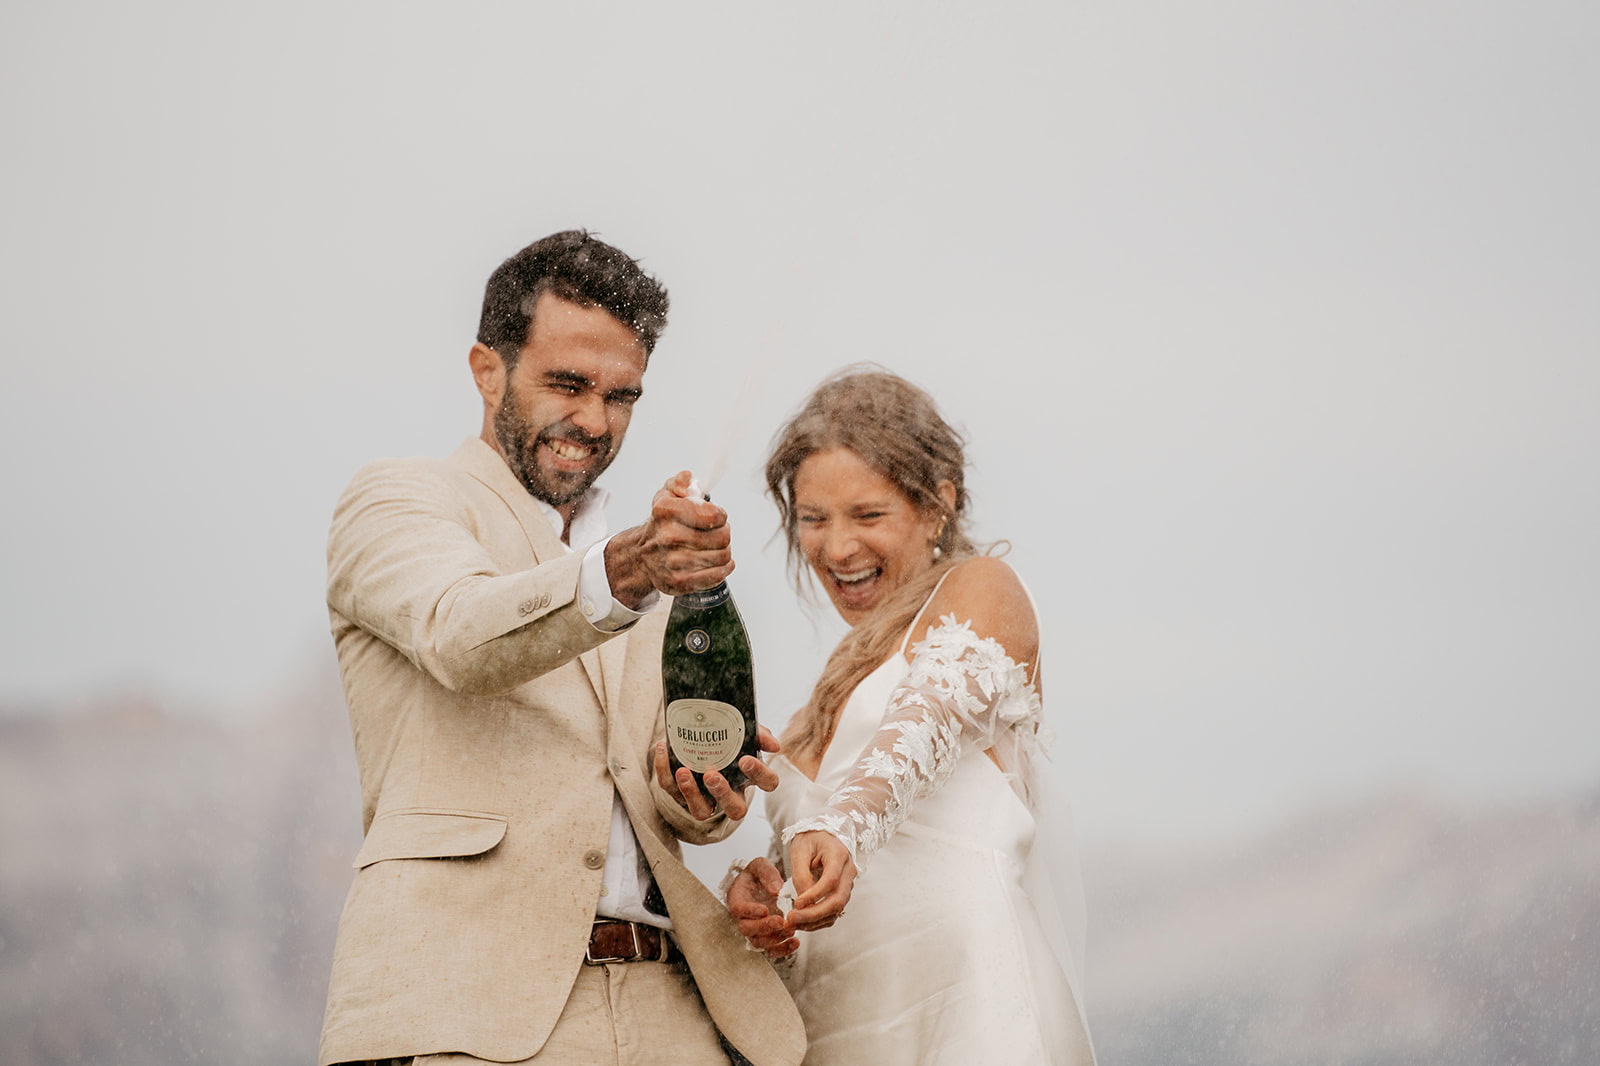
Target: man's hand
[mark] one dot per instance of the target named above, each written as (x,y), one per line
(682,547)
(722,796)
(753,902)
(824,874)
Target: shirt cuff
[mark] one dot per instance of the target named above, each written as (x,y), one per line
(594,594)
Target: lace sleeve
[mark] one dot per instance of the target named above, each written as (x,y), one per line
(962,693)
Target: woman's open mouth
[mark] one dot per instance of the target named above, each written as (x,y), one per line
(857,588)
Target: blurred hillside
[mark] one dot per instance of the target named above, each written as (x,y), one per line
(1397,931)
(169,890)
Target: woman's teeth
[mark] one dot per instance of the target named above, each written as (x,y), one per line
(852,578)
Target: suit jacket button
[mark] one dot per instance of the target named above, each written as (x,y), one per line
(544,601)
(594,858)
(525,608)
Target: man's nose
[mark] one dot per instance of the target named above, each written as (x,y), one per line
(590,415)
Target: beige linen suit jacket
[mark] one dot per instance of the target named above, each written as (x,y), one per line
(492,725)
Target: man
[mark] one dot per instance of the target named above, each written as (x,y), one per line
(520,895)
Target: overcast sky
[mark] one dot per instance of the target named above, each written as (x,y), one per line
(1274,328)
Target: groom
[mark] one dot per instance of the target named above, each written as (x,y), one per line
(520,895)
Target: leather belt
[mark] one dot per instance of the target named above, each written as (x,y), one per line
(612,940)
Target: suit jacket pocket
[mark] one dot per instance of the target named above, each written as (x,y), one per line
(430,833)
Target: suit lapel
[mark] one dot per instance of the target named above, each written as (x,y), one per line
(487,466)
(611,656)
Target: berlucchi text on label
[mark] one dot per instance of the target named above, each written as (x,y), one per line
(704,734)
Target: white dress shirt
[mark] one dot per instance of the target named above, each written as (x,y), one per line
(625,878)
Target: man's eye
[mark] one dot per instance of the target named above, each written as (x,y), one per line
(567,387)
(622,399)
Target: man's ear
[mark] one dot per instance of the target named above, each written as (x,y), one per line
(488,373)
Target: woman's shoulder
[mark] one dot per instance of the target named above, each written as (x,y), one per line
(984,570)
(986,595)
(985,582)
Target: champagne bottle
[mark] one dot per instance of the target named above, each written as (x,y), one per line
(708,682)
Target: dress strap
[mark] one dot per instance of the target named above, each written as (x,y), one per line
(1038,624)
(906,640)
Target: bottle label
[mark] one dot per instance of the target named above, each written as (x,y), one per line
(704,734)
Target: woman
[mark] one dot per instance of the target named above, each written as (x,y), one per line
(912,784)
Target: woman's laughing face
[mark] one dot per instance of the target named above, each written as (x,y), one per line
(861,535)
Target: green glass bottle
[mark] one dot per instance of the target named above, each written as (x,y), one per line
(708,682)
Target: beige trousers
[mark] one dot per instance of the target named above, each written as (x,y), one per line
(624,1014)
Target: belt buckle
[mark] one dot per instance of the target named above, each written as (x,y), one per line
(588,949)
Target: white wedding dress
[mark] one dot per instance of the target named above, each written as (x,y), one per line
(954,948)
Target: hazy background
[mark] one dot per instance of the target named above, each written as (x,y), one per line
(1273,326)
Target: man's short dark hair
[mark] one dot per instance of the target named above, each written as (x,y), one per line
(576,267)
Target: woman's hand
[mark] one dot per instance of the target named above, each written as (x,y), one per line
(824,874)
(753,902)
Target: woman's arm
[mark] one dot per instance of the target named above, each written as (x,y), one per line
(967,684)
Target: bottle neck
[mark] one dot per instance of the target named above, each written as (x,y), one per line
(711,597)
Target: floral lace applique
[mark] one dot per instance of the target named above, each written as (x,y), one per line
(961,693)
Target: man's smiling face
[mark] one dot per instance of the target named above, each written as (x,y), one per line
(568,400)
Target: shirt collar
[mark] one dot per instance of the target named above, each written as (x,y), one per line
(588,518)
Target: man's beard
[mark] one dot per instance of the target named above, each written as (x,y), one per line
(520,444)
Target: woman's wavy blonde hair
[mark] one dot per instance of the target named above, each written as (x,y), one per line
(896,429)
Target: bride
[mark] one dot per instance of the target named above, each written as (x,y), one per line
(913,784)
